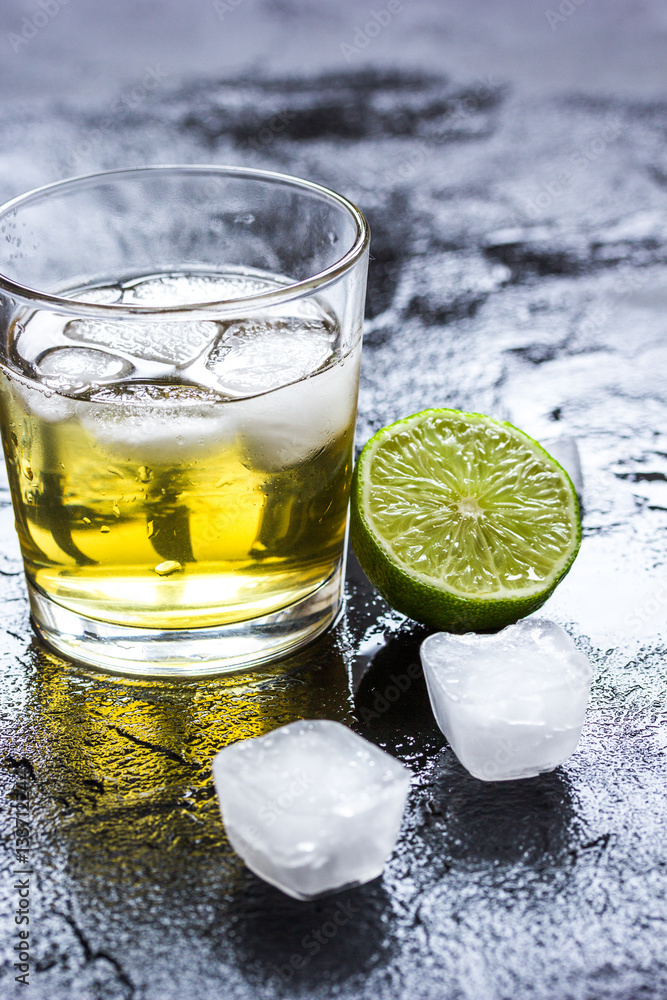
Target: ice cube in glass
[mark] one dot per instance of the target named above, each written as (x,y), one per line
(512,704)
(311,807)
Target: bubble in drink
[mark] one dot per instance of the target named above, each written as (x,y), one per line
(166,492)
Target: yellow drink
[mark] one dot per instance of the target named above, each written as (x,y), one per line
(197,477)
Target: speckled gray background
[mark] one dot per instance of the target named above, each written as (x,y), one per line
(512,160)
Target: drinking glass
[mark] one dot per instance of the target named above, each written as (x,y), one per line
(179,369)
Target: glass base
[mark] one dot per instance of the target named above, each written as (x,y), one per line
(197,652)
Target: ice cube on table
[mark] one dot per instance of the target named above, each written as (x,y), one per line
(564,449)
(172,343)
(511,705)
(311,807)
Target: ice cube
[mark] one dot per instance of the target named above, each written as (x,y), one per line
(70,368)
(181,289)
(511,704)
(157,422)
(564,450)
(102,294)
(284,428)
(256,355)
(311,807)
(172,343)
(46,404)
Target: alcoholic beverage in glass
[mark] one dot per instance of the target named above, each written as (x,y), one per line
(179,447)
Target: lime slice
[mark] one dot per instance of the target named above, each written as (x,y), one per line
(462,522)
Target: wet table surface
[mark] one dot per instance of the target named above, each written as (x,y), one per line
(513,165)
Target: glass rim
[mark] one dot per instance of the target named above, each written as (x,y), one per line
(108,310)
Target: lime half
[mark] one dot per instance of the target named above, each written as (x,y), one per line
(462,522)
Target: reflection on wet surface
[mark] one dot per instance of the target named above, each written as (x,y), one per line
(128,750)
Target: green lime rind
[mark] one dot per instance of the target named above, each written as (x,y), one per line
(462,522)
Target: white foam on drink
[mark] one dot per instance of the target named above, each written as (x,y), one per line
(511,704)
(311,807)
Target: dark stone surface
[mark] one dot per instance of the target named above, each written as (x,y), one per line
(519,216)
